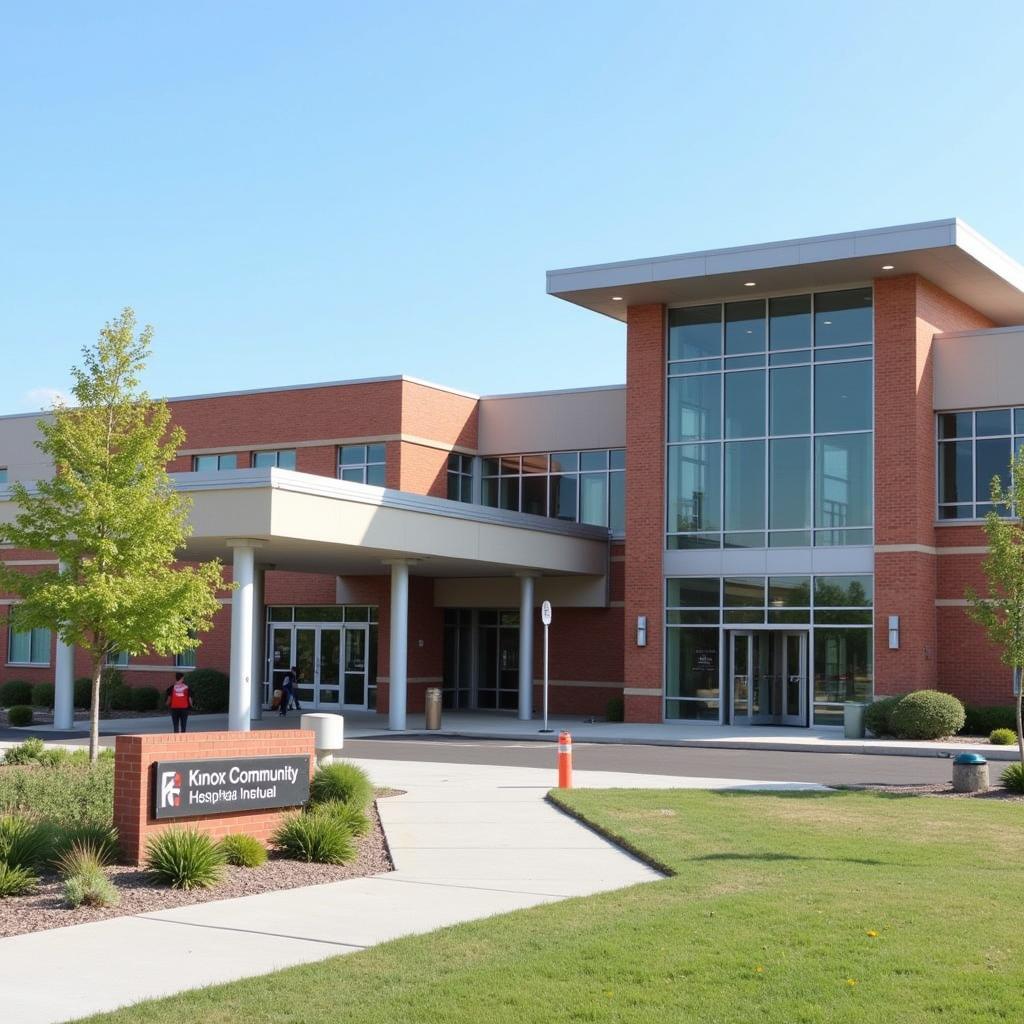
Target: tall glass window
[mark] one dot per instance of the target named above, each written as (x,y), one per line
(974,447)
(460,477)
(29,648)
(770,422)
(579,487)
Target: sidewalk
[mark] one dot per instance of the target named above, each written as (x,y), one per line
(468,841)
(497,726)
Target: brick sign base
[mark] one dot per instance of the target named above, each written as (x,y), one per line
(133,782)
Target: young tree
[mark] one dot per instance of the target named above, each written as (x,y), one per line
(1001,611)
(111,517)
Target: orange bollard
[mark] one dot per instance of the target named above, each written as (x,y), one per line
(564,760)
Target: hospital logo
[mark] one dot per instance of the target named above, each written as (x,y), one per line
(170,789)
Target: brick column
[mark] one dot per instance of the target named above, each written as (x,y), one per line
(645,510)
(909,311)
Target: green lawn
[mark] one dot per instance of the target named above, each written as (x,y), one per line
(785,908)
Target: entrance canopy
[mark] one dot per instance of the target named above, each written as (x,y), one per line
(309,523)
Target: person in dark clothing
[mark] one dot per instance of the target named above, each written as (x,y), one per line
(288,689)
(178,698)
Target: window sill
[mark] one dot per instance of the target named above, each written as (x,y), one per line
(28,664)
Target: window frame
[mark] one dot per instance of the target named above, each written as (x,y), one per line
(1015,437)
(218,456)
(277,453)
(11,633)
(365,465)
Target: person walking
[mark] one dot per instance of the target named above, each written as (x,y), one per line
(288,689)
(178,698)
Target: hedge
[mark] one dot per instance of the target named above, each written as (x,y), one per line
(981,721)
(209,689)
(42,695)
(15,692)
(926,715)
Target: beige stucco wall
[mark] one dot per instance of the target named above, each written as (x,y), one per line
(975,369)
(557,421)
(18,452)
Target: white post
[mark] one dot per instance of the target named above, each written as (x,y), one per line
(259,632)
(240,689)
(64,682)
(525,648)
(398,673)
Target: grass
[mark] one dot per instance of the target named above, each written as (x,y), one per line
(836,908)
(71,791)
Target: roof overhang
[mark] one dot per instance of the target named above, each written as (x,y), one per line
(947,252)
(308,523)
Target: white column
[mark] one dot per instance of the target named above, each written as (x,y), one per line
(398,671)
(64,682)
(259,633)
(525,648)
(240,688)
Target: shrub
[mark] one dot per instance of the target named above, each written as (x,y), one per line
(19,716)
(71,793)
(144,698)
(91,888)
(16,881)
(1002,737)
(615,710)
(83,692)
(981,721)
(1013,777)
(209,689)
(42,695)
(878,716)
(317,838)
(341,782)
(926,715)
(115,694)
(79,859)
(352,817)
(243,851)
(100,841)
(28,752)
(184,859)
(15,692)
(25,842)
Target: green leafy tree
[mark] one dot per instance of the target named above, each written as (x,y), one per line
(112,518)
(1001,610)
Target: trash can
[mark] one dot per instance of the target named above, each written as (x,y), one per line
(328,735)
(970,773)
(853,720)
(433,708)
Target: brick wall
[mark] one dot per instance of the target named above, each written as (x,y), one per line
(645,507)
(909,311)
(133,782)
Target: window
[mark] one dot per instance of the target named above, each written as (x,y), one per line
(29,648)
(284,459)
(974,447)
(3,476)
(578,487)
(460,477)
(362,463)
(770,420)
(118,659)
(213,463)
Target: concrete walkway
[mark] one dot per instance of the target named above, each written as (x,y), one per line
(497,726)
(468,841)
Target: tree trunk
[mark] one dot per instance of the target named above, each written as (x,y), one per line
(94,713)
(1020,702)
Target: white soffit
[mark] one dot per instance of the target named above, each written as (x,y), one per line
(947,252)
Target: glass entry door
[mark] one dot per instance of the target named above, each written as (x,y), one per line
(331,662)
(768,677)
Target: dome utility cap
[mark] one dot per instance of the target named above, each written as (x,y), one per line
(969,758)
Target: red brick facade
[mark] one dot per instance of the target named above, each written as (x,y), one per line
(133,782)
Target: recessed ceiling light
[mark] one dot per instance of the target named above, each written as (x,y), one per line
(828,323)
(888,266)
(616,298)
(749,284)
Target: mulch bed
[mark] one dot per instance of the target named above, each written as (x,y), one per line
(996,792)
(44,716)
(45,908)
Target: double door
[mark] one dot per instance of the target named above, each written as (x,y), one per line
(331,663)
(768,677)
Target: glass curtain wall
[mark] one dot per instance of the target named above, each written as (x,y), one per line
(699,612)
(770,422)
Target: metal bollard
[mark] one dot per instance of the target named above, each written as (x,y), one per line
(433,708)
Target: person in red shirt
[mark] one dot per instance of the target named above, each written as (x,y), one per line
(179,700)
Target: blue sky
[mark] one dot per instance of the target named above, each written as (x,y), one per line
(319,191)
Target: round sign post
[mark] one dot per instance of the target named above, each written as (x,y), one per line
(545,618)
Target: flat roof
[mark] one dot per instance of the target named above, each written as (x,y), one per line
(949,253)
